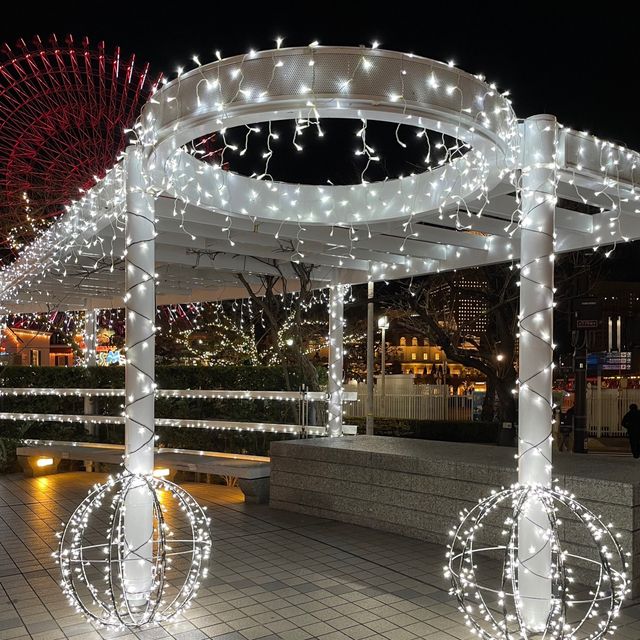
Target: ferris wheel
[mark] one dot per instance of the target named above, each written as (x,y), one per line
(64,109)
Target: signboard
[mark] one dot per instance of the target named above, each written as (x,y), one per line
(106,356)
(586,313)
(610,361)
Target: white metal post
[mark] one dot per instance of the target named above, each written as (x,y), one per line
(598,404)
(383,370)
(140,309)
(370,356)
(90,335)
(336,358)
(535,412)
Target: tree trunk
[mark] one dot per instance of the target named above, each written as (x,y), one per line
(506,399)
(489,402)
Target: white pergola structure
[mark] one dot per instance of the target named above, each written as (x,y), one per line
(504,190)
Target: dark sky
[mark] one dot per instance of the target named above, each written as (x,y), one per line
(578,63)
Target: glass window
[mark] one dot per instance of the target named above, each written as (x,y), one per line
(414,356)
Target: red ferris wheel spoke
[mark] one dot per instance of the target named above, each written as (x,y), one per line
(64,108)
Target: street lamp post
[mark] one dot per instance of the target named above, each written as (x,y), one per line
(383,325)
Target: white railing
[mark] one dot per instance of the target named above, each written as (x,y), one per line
(217,394)
(303,398)
(606,408)
(425,402)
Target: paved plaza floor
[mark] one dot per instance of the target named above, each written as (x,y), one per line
(273,575)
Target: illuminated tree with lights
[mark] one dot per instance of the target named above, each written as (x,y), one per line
(212,334)
(286,335)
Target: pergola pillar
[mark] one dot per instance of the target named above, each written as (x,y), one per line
(336,357)
(140,309)
(536,361)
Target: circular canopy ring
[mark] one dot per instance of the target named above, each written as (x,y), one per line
(333,82)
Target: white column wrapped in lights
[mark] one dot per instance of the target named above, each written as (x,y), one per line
(534,597)
(90,357)
(140,309)
(535,402)
(336,357)
(122,582)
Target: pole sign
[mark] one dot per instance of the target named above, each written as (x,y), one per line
(609,361)
(586,313)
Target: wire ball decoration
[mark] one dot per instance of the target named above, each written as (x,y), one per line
(588,585)
(96,560)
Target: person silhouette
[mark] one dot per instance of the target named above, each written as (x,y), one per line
(566,429)
(631,422)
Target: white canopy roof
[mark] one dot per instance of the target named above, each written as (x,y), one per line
(212,223)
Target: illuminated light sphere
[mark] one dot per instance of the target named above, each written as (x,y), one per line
(95,560)
(64,109)
(588,568)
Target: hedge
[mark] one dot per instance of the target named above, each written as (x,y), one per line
(257,378)
(479,432)
(167,377)
(176,377)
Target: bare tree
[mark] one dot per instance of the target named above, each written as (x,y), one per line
(486,339)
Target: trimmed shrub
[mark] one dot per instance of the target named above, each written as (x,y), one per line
(168,377)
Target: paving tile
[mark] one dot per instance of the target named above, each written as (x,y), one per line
(273,576)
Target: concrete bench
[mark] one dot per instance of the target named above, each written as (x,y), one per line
(417,487)
(252,472)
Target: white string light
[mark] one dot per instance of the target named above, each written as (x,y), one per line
(488,153)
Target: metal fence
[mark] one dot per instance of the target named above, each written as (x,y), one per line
(427,402)
(606,408)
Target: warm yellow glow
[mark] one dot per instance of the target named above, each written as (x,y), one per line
(161,473)
(44,462)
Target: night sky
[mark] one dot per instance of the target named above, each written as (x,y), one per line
(579,64)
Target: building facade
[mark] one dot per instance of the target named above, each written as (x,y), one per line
(411,354)
(33,348)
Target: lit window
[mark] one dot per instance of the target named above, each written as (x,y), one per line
(437,356)
(414,356)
